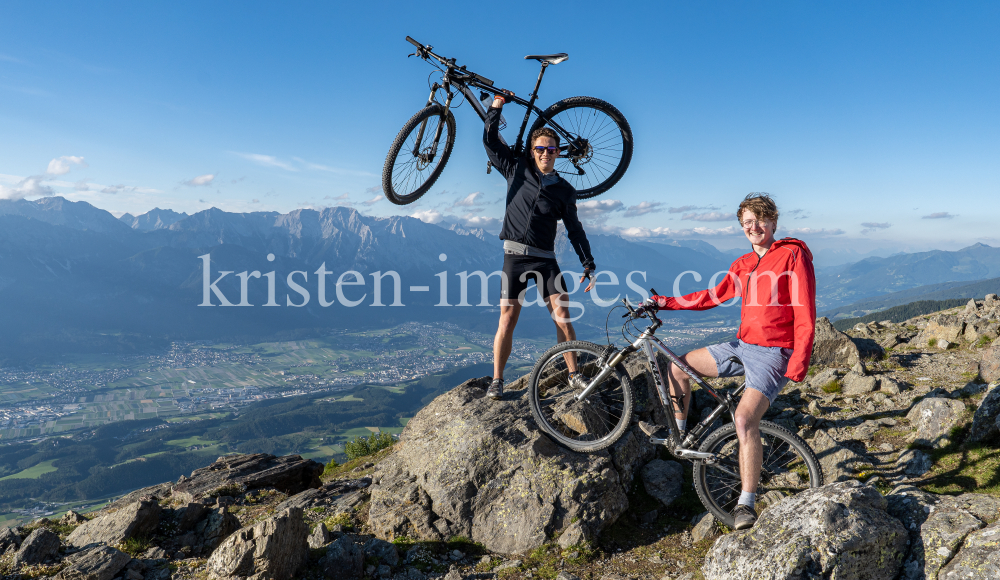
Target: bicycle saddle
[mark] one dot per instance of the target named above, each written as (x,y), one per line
(548,58)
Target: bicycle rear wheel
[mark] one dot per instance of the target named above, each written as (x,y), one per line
(789,465)
(418,155)
(591,424)
(601,144)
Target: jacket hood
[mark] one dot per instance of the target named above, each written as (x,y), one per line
(793,242)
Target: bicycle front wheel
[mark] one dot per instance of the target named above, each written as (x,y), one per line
(789,466)
(418,155)
(600,148)
(589,425)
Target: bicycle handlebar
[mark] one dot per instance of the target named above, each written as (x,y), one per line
(414,42)
(425,51)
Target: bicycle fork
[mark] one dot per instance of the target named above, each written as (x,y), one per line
(437,133)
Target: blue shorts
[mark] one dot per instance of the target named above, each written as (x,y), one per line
(764,366)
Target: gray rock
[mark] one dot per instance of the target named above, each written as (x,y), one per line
(978,558)
(384,571)
(71,518)
(574,535)
(155,553)
(340,495)
(705,527)
(319,537)
(188,516)
(507,565)
(934,419)
(563,575)
(838,463)
(273,548)
(8,539)
(100,563)
(663,480)
(153,492)
(212,530)
(832,347)
(914,463)
(384,552)
(840,530)
(289,474)
(943,327)
(39,545)
(344,560)
(890,385)
(936,525)
(984,422)
(136,519)
(989,363)
(484,468)
(453,575)
(856,384)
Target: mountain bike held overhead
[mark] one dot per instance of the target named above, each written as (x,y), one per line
(596,140)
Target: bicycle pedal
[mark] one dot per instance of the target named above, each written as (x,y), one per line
(659,441)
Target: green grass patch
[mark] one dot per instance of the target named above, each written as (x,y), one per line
(34,472)
(190,441)
(932,342)
(832,387)
(956,470)
(364,446)
(134,546)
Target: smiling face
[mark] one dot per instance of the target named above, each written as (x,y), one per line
(760,232)
(546,160)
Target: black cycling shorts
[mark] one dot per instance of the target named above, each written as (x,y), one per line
(518,270)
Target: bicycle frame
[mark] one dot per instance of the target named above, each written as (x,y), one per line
(649,345)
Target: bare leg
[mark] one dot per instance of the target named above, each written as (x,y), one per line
(502,343)
(558,305)
(750,411)
(680,384)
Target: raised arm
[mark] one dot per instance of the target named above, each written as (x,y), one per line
(499,152)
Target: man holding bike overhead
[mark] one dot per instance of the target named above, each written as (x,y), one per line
(537,199)
(777,287)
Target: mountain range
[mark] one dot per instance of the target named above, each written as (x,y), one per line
(74,277)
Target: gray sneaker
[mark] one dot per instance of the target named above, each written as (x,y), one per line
(745,517)
(577,381)
(653,430)
(495,391)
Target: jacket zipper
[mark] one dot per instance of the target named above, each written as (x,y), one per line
(743,294)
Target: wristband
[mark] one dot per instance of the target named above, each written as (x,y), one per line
(498,96)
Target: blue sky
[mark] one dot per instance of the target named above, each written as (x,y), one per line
(874,125)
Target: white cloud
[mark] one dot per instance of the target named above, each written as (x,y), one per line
(469,200)
(28,187)
(940,215)
(200,180)
(663,232)
(373,200)
(814,232)
(267,161)
(335,170)
(429,216)
(643,208)
(486,223)
(598,208)
(61,165)
(874,226)
(685,208)
(712,216)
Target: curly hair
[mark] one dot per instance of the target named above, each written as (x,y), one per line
(761,204)
(544,132)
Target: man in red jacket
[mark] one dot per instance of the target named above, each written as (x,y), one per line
(777,287)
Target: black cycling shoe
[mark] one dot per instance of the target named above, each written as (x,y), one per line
(653,430)
(495,391)
(745,517)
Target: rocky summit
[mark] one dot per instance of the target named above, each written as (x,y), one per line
(904,419)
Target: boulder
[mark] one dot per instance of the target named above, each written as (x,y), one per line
(344,560)
(840,530)
(978,558)
(574,535)
(889,385)
(99,563)
(934,419)
(212,530)
(663,480)
(385,552)
(136,519)
(855,384)
(319,537)
(824,377)
(974,331)
(473,467)
(289,474)
(943,327)
(914,463)
(71,518)
(273,549)
(984,422)
(39,545)
(937,526)
(8,540)
(832,347)
(153,492)
(989,363)
(705,527)
(339,495)
(838,463)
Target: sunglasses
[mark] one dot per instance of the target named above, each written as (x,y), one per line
(552,150)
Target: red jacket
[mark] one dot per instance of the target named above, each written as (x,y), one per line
(778,293)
